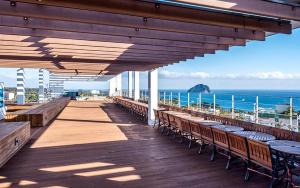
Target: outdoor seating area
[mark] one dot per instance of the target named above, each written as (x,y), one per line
(262,153)
(138,109)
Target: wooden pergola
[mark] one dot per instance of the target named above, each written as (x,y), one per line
(109,37)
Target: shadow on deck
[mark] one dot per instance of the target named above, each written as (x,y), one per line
(88,146)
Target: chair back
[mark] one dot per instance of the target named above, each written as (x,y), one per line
(195,129)
(165,119)
(206,133)
(220,138)
(178,123)
(260,153)
(185,126)
(282,134)
(172,122)
(238,145)
(160,116)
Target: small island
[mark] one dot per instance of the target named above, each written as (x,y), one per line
(199,88)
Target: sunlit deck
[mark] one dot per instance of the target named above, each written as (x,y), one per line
(95,144)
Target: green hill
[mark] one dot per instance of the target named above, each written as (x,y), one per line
(199,88)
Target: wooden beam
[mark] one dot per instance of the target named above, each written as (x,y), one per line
(37,23)
(57,52)
(68,59)
(86,37)
(98,50)
(175,13)
(258,7)
(151,29)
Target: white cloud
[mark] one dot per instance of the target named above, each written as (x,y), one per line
(199,75)
(170,74)
(204,75)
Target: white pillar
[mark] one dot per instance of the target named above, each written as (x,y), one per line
(119,84)
(153,91)
(112,86)
(20,86)
(130,84)
(136,85)
(41,86)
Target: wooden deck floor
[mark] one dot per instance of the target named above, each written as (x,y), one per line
(95,144)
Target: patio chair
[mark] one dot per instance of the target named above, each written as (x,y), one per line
(221,145)
(184,130)
(165,122)
(172,125)
(195,131)
(238,147)
(206,139)
(260,156)
(156,120)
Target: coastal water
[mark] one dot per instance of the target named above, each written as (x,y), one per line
(243,99)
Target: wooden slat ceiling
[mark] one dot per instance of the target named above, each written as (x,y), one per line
(108,37)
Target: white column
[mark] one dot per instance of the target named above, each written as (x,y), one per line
(136,85)
(112,86)
(130,84)
(119,84)
(20,86)
(41,86)
(153,91)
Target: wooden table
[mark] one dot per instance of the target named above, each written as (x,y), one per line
(209,123)
(256,135)
(229,128)
(286,146)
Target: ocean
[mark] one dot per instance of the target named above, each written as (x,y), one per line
(244,99)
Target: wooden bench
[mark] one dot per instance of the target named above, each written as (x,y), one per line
(39,115)
(13,136)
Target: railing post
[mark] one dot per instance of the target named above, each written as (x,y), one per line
(179,100)
(232,107)
(291,112)
(256,110)
(141,94)
(200,101)
(214,104)
(171,99)
(188,98)
(164,97)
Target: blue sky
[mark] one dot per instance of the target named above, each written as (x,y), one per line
(270,64)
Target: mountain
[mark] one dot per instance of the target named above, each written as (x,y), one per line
(199,88)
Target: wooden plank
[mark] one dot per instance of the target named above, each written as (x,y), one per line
(13,136)
(40,115)
(164,11)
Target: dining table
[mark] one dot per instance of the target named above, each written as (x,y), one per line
(286,146)
(264,137)
(228,128)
